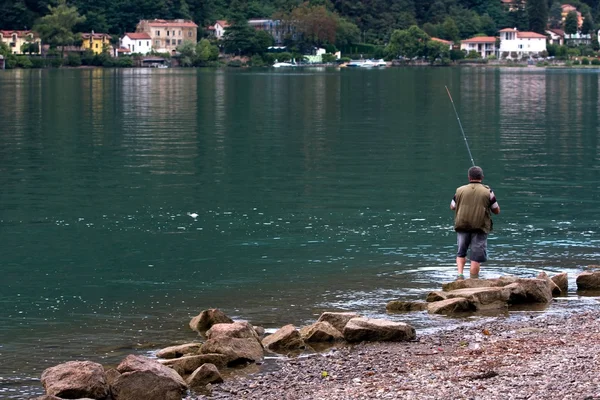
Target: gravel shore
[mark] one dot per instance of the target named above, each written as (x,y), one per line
(537,356)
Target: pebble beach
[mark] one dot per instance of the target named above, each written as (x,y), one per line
(535,356)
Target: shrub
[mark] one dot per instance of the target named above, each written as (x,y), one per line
(257,61)
(595,61)
(124,62)
(37,62)
(492,57)
(585,61)
(24,62)
(328,58)
(73,60)
(576,62)
(345,59)
(268,58)
(235,63)
(56,62)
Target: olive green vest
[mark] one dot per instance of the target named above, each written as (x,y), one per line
(472,211)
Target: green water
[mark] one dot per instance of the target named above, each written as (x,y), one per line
(133,199)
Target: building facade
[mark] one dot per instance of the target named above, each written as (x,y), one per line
(96,42)
(166,35)
(16,39)
(484,45)
(556,36)
(138,42)
(513,42)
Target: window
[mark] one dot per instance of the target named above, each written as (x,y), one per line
(173,33)
(139,43)
(157,43)
(96,45)
(133,48)
(148,43)
(179,41)
(13,44)
(189,33)
(520,46)
(168,33)
(157,33)
(179,33)
(167,42)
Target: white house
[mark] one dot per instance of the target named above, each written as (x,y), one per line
(556,36)
(219,28)
(139,42)
(484,45)
(522,43)
(446,42)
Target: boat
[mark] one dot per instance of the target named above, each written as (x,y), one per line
(283,64)
(367,63)
(355,63)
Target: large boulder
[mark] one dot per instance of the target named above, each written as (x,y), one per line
(451,306)
(76,379)
(284,339)
(553,286)
(188,364)
(337,319)
(588,280)
(207,318)
(240,330)
(530,291)
(478,283)
(483,298)
(370,329)
(436,296)
(399,305)
(179,351)
(562,281)
(208,373)
(145,379)
(236,350)
(320,332)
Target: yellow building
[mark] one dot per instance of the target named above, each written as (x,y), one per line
(16,39)
(168,34)
(95,41)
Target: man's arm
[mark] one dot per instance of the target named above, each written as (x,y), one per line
(453,203)
(495,207)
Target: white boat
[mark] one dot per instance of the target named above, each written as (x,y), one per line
(283,64)
(380,63)
(368,64)
(355,63)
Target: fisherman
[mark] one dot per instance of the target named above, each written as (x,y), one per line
(472,205)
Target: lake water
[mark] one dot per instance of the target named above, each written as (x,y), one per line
(133,199)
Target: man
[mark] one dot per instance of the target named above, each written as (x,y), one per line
(472,205)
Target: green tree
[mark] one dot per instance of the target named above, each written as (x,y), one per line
(56,28)
(4,49)
(488,25)
(347,33)
(316,24)
(187,51)
(409,43)
(588,24)
(537,12)
(555,15)
(239,38)
(571,23)
(262,41)
(450,30)
(435,50)
(205,51)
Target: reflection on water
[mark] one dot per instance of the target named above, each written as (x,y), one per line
(133,199)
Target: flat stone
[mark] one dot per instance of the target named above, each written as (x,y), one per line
(588,280)
(371,329)
(179,350)
(337,319)
(399,305)
(451,306)
(188,364)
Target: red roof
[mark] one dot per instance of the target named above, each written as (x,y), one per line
(19,33)
(138,35)
(222,22)
(480,39)
(441,41)
(123,50)
(558,32)
(530,35)
(174,23)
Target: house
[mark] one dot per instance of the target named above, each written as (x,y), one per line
(556,36)
(484,45)
(575,39)
(166,35)
(275,27)
(136,42)
(512,5)
(96,42)
(219,28)
(566,9)
(446,42)
(16,39)
(520,43)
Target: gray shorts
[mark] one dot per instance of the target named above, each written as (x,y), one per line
(478,243)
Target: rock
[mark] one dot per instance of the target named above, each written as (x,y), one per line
(320,332)
(208,373)
(76,379)
(145,379)
(188,364)
(436,296)
(588,280)
(478,283)
(562,281)
(370,329)
(483,298)
(530,291)
(236,350)
(47,397)
(111,376)
(451,306)
(207,318)
(260,331)
(285,339)
(337,319)
(553,287)
(398,305)
(179,351)
(240,330)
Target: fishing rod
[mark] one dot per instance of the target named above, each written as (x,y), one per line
(460,124)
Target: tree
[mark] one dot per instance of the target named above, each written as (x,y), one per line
(571,23)
(435,50)
(187,50)
(262,41)
(488,25)
(347,33)
(239,38)
(450,30)
(316,24)
(56,28)
(555,15)
(537,12)
(206,51)
(409,43)
(588,24)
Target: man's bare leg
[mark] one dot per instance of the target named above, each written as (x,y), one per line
(460,263)
(474,270)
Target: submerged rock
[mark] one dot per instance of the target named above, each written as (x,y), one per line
(76,379)
(399,305)
(377,330)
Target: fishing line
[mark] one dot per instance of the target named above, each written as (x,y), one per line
(460,124)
